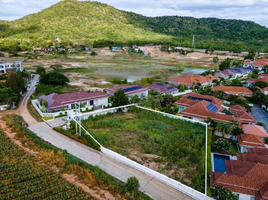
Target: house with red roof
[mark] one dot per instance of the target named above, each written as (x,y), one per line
(203,109)
(56,102)
(192,98)
(130,90)
(253,137)
(163,88)
(200,107)
(243,91)
(247,176)
(191,79)
(241,113)
(256,64)
(252,81)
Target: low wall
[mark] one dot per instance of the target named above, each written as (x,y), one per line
(163,178)
(36,107)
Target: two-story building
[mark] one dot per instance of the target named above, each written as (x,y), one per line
(9,66)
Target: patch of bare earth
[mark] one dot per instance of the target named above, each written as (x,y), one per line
(95,192)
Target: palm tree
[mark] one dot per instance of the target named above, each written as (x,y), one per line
(224,128)
(212,125)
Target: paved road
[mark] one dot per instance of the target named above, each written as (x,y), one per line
(260,115)
(151,186)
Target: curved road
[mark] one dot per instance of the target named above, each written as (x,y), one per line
(151,186)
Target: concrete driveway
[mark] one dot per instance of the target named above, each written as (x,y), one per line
(260,115)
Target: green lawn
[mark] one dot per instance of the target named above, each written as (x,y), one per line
(233,150)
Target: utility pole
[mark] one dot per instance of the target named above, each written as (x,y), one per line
(193,42)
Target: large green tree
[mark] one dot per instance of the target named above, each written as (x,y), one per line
(119,98)
(40,70)
(16,82)
(224,127)
(7,96)
(54,78)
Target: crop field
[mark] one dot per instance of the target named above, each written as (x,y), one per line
(169,146)
(22,178)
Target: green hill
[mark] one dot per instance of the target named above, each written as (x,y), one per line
(87,22)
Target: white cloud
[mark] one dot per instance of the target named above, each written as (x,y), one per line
(251,10)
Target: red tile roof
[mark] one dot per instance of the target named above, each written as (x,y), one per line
(260,62)
(243,177)
(244,117)
(199,110)
(234,108)
(250,140)
(233,90)
(186,100)
(254,130)
(58,101)
(263,75)
(260,151)
(256,158)
(189,79)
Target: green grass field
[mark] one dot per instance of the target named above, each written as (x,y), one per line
(170,146)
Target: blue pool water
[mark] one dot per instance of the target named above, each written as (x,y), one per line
(219,162)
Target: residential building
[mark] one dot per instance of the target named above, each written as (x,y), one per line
(234,90)
(252,81)
(192,98)
(247,176)
(56,102)
(265,90)
(200,107)
(256,64)
(236,72)
(130,90)
(241,113)
(190,79)
(163,88)
(201,110)
(246,141)
(8,66)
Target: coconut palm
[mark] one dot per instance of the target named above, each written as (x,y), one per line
(212,125)
(224,128)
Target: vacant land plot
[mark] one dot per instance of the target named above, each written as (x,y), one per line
(170,146)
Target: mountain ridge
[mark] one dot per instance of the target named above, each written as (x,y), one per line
(90,22)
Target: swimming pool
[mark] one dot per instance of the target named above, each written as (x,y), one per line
(219,162)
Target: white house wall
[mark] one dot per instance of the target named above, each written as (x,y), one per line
(4,66)
(140,94)
(103,101)
(245,197)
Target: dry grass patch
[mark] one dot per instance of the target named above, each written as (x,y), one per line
(53,157)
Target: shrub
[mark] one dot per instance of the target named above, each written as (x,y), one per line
(132,185)
(222,144)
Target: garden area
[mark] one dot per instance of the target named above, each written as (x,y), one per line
(223,145)
(173,147)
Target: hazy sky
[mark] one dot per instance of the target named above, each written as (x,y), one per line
(251,10)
